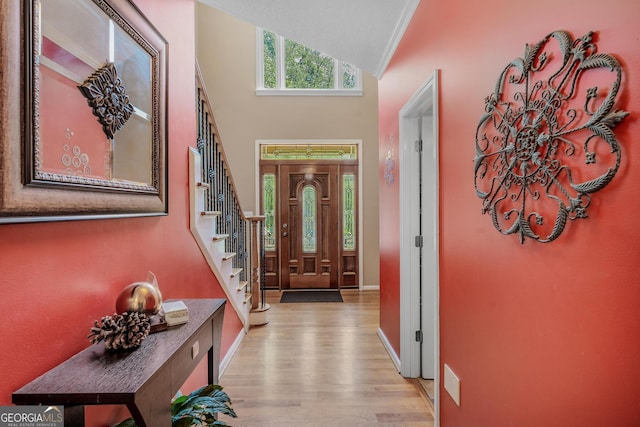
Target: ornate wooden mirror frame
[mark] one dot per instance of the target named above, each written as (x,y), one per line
(82,111)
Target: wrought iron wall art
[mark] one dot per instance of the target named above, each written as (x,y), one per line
(389,164)
(545,142)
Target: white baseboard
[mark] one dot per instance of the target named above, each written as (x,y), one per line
(224,363)
(392,353)
(370,287)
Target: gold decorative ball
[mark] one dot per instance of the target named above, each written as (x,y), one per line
(141,297)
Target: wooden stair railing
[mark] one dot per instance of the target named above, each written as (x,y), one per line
(217,222)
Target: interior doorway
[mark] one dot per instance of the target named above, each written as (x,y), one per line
(309,197)
(419,226)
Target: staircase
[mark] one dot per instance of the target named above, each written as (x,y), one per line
(204,225)
(218,224)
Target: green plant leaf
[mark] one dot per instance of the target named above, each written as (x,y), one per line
(202,405)
(179,400)
(184,401)
(216,401)
(199,408)
(205,390)
(182,422)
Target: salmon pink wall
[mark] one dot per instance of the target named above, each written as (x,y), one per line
(389,233)
(57,278)
(539,334)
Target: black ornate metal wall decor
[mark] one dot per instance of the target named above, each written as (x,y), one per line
(545,142)
(390,163)
(107,96)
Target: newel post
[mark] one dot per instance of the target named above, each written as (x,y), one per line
(258,314)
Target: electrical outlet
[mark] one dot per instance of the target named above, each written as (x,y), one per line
(452,384)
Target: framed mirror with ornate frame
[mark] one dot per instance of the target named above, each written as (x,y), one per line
(83,111)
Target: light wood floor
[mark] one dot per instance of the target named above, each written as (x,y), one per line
(321,364)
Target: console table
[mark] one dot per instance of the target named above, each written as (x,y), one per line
(145,379)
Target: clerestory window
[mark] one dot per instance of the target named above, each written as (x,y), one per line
(285,67)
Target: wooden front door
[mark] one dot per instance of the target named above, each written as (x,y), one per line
(309,220)
(311,224)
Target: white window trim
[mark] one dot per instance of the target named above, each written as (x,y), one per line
(280,90)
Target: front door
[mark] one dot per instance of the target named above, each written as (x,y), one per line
(309,207)
(311,223)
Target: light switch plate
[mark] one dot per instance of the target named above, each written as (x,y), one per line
(452,384)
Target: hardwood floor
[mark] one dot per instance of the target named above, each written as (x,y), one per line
(321,364)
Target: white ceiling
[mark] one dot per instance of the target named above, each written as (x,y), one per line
(364,33)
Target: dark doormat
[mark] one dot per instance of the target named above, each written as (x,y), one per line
(311,296)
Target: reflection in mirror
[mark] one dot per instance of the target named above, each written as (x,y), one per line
(95,122)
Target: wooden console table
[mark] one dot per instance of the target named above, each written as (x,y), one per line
(145,380)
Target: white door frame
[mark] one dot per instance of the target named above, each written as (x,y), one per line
(423,105)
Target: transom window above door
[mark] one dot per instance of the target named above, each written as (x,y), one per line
(285,67)
(309,152)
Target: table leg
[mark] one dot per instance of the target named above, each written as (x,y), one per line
(74,416)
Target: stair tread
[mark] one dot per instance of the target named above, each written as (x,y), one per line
(217,237)
(235,272)
(210,213)
(242,286)
(228,255)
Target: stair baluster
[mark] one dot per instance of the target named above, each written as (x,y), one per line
(217,216)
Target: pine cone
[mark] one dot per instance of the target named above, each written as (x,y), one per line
(124,331)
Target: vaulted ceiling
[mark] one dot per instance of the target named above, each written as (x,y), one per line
(364,33)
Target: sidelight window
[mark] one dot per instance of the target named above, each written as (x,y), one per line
(348,212)
(269,204)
